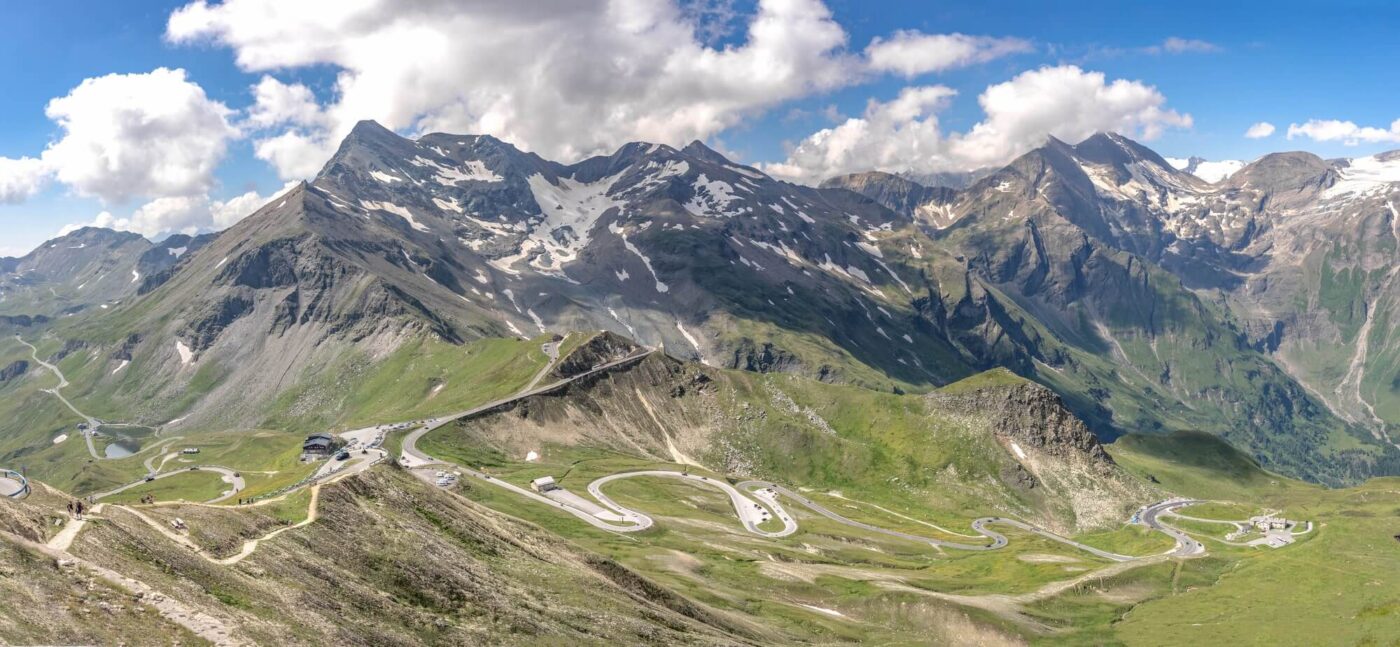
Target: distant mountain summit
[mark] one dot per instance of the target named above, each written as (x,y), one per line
(1212,172)
(1148,297)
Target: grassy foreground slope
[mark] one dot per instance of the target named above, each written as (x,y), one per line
(1340,586)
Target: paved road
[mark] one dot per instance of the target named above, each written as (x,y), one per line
(1185,545)
(551,351)
(764,505)
(230,476)
(750,512)
(414,458)
(997,540)
(92,423)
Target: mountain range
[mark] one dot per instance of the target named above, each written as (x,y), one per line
(1257,308)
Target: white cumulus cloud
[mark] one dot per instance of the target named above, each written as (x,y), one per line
(276,103)
(1347,132)
(903,135)
(125,136)
(563,78)
(183,214)
(21,178)
(912,53)
(1260,130)
(134,135)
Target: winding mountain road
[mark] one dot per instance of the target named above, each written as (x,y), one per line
(413,458)
(756,503)
(92,423)
(753,509)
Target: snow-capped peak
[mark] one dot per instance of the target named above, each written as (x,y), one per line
(1209,171)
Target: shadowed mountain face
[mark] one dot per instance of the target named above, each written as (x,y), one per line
(1262,300)
(1148,298)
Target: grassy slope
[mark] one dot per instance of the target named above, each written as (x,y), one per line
(402,385)
(189,486)
(1339,581)
(358,392)
(880,446)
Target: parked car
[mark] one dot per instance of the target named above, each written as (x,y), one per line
(342,455)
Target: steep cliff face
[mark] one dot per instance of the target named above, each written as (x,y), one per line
(1058,461)
(1031,416)
(600,349)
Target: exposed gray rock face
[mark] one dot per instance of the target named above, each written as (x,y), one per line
(762,358)
(69,347)
(1181,283)
(600,349)
(1150,299)
(892,191)
(123,352)
(14,370)
(1031,415)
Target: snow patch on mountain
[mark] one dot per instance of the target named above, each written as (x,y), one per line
(570,209)
(712,198)
(693,342)
(389,207)
(618,230)
(659,174)
(449,204)
(626,325)
(1364,175)
(471,170)
(186,355)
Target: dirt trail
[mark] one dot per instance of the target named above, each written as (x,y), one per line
(1011,606)
(65,537)
(248,546)
(197,622)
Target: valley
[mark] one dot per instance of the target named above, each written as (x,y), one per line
(863,541)
(660,397)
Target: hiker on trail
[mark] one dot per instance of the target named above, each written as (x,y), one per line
(70,508)
(80,509)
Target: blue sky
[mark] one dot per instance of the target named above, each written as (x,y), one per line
(1236,64)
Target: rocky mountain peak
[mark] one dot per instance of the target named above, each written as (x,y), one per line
(1119,151)
(1289,171)
(894,192)
(699,150)
(1026,412)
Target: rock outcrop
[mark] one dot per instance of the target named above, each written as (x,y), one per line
(14,370)
(1031,415)
(600,349)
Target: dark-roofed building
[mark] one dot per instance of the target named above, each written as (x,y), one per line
(321,444)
